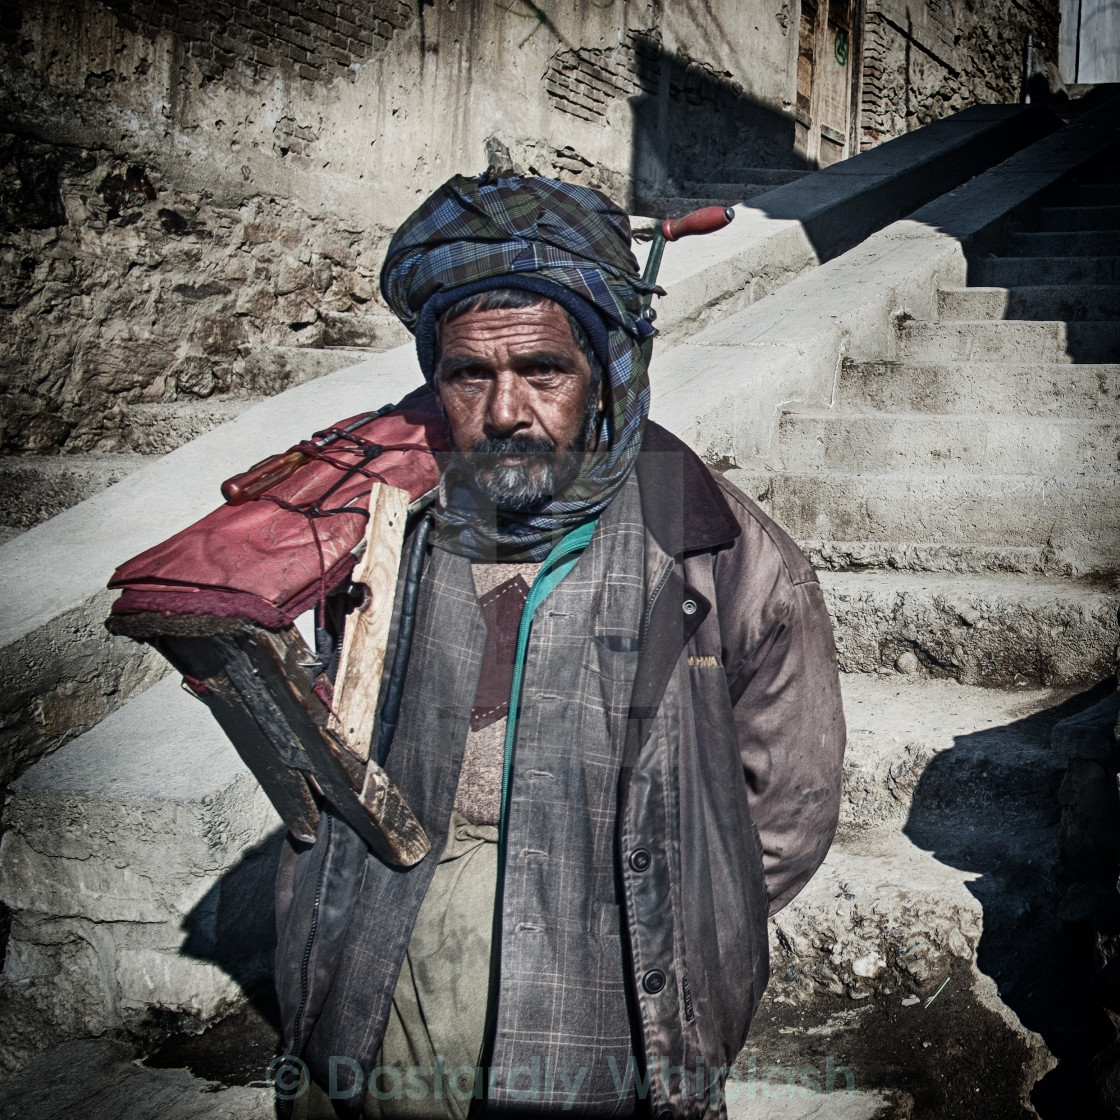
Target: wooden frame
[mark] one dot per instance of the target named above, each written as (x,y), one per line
(258,686)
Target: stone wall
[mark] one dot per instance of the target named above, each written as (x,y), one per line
(182,185)
(923,61)
(118,289)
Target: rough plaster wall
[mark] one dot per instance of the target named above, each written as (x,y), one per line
(925,59)
(584,81)
(315,36)
(709,88)
(183,183)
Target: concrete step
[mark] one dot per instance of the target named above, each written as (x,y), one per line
(104,1080)
(923,915)
(1086,243)
(930,765)
(156,429)
(137,861)
(1069,302)
(993,630)
(1009,341)
(1073,516)
(34,488)
(763,176)
(881,913)
(756,1095)
(735,190)
(924,444)
(1073,218)
(992,388)
(1012,272)
(988,626)
(904,732)
(1094,194)
(959,559)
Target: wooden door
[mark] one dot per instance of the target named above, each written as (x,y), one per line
(804,143)
(825,69)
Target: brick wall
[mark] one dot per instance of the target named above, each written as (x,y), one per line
(709,120)
(584,82)
(314,38)
(922,63)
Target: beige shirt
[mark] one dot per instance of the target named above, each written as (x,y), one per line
(478,796)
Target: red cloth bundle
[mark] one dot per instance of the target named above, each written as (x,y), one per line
(272,558)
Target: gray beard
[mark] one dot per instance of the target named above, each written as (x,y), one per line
(520,487)
(525,487)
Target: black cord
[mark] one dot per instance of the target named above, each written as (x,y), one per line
(391,709)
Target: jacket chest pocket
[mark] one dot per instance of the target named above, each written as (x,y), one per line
(610,663)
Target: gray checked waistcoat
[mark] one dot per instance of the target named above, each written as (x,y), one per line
(560,1018)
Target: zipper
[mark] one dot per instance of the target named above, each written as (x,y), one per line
(304,980)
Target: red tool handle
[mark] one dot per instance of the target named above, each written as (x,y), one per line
(707,220)
(263,476)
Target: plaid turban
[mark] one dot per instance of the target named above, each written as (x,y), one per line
(567,243)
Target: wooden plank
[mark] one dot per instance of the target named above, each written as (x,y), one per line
(386,823)
(274,764)
(358,679)
(258,687)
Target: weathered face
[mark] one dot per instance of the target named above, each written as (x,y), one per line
(515,388)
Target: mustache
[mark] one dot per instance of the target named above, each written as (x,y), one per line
(498,446)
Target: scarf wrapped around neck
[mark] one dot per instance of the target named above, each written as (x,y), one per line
(562,241)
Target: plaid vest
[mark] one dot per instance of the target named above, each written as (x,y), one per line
(562,1028)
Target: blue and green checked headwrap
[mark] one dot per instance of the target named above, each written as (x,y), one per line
(570,244)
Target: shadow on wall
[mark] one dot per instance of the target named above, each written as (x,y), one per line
(1058,266)
(234,924)
(990,806)
(693,125)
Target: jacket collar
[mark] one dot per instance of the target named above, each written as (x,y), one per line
(682,505)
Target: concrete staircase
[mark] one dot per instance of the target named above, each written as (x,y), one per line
(958,494)
(928,475)
(35,488)
(973,472)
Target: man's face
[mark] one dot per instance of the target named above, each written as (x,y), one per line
(515,388)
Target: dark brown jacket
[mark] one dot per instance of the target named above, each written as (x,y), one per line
(727,802)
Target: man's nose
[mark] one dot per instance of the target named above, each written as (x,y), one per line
(508,409)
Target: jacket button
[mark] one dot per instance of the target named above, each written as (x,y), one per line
(640,859)
(689,606)
(653,981)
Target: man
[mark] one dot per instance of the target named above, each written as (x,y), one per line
(621,722)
